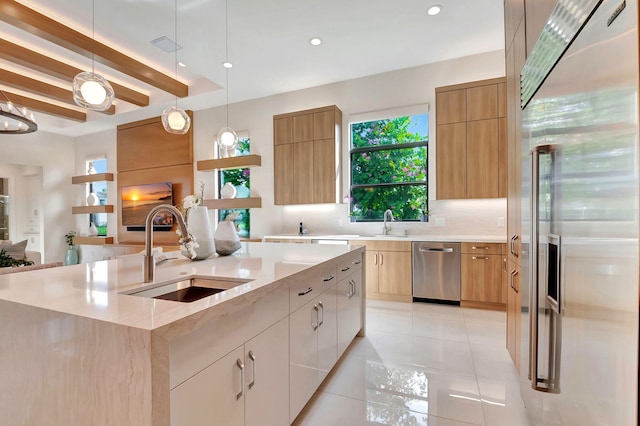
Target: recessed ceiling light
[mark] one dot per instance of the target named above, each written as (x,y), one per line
(315,41)
(434,10)
(227,64)
(182,64)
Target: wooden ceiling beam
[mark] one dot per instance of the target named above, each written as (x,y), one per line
(36,23)
(46,108)
(49,66)
(38,87)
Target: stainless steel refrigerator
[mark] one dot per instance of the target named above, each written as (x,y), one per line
(579,90)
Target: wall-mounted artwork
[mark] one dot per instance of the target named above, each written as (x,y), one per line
(138,200)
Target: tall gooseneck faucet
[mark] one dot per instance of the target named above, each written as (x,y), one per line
(149,264)
(386,228)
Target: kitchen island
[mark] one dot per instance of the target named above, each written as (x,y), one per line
(78,350)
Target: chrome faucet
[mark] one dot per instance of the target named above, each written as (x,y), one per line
(386,228)
(149,264)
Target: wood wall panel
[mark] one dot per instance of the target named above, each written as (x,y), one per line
(145,144)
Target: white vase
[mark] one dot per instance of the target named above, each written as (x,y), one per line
(93,231)
(226,238)
(228,191)
(200,229)
(92,199)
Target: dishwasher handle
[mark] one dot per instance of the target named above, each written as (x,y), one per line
(439,250)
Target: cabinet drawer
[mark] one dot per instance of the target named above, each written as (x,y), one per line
(387,245)
(311,284)
(482,248)
(349,265)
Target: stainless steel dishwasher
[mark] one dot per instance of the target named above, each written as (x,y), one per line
(436,272)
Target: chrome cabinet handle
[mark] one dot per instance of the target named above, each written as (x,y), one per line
(315,324)
(479,257)
(512,244)
(322,312)
(381,259)
(307,291)
(479,248)
(441,250)
(252,357)
(240,365)
(375,259)
(345,269)
(329,278)
(352,289)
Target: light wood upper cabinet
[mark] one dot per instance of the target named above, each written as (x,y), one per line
(469,135)
(306,173)
(451,161)
(482,102)
(302,128)
(482,159)
(451,106)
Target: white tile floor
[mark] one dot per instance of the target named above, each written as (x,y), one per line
(422,364)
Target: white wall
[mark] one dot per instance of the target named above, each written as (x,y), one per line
(55,154)
(379,92)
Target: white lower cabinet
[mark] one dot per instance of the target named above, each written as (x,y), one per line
(312,347)
(349,312)
(248,386)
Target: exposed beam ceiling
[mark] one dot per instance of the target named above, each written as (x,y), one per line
(49,66)
(36,23)
(45,107)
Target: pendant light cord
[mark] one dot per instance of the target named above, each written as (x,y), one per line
(226,55)
(175,37)
(93,35)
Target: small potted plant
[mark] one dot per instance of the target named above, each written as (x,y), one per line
(71,257)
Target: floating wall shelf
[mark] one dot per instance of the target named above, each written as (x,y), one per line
(93,241)
(234,203)
(108,208)
(243,161)
(98,177)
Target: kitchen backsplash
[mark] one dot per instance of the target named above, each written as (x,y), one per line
(448,217)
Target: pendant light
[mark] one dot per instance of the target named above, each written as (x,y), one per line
(227,138)
(91,90)
(174,119)
(15,120)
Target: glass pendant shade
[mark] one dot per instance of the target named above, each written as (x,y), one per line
(227,139)
(92,91)
(175,120)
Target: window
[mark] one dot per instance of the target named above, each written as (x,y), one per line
(100,189)
(389,168)
(240,178)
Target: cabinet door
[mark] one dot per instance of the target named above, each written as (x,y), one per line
(282,131)
(482,102)
(451,161)
(394,272)
(267,377)
(303,128)
(371,257)
(324,171)
(481,276)
(302,173)
(303,356)
(324,125)
(283,167)
(349,309)
(211,396)
(482,159)
(451,107)
(327,332)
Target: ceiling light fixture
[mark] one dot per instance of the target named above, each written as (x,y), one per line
(15,120)
(434,10)
(175,120)
(315,41)
(227,138)
(91,90)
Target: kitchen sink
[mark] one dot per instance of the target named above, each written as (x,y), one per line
(186,290)
(390,235)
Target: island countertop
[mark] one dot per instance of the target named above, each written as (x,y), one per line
(95,290)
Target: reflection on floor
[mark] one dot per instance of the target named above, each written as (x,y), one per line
(422,364)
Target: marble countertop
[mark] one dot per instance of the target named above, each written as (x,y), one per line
(95,290)
(410,237)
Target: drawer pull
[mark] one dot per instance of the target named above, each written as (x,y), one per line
(345,269)
(479,248)
(307,291)
(479,258)
(357,262)
(329,278)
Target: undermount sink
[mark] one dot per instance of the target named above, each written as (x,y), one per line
(187,290)
(390,235)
